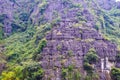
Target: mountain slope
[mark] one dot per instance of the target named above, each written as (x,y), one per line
(68,45)
(24,24)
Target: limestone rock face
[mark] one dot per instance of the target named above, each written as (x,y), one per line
(51,10)
(108,4)
(118,5)
(67,45)
(6,9)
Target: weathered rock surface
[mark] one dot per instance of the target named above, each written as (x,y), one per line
(67,45)
(50,10)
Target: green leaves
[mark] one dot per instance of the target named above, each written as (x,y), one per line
(70,73)
(15,73)
(10,75)
(1,31)
(91,57)
(31,71)
(89,60)
(41,45)
(115,73)
(88,68)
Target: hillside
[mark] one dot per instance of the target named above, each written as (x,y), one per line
(59,40)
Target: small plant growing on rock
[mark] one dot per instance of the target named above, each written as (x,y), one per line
(59,47)
(70,53)
(88,67)
(64,73)
(69,73)
(115,74)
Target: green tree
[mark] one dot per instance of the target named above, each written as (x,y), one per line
(33,71)
(9,76)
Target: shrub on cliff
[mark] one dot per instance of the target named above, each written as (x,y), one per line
(41,45)
(70,73)
(88,67)
(1,31)
(91,57)
(39,48)
(115,73)
(33,72)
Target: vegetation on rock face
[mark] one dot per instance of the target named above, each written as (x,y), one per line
(92,77)
(30,72)
(39,48)
(70,73)
(23,48)
(89,60)
(88,67)
(59,47)
(70,53)
(2,17)
(115,73)
(41,45)
(91,57)
(29,24)
(1,32)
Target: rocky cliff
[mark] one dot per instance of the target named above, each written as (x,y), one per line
(72,28)
(40,12)
(68,44)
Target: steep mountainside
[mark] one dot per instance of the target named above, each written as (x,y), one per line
(59,39)
(68,44)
